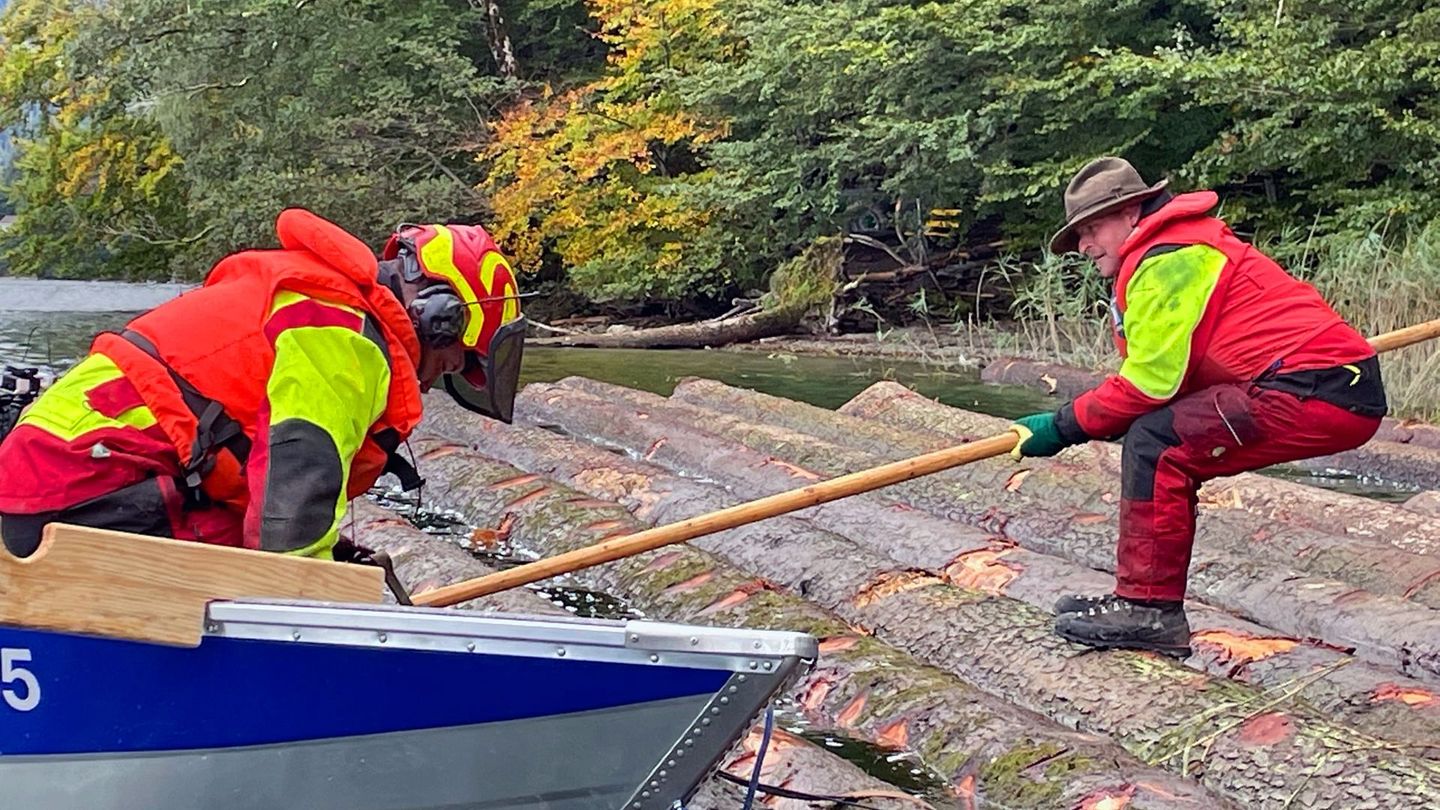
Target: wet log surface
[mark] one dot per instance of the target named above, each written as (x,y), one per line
(1343,537)
(794,763)
(1382,629)
(423,561)
(1258,746)
(985,746)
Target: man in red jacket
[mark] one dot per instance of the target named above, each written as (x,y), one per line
(250,411)
(1229,364)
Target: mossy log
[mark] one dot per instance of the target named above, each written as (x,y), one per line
(1385,630)
(861,686)
(1261,747)
(1377,546)
(1365,696)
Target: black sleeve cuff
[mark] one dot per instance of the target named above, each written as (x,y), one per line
(1068,426)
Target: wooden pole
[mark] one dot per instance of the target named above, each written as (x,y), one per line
(738,515)
(1409,336)
(783,503)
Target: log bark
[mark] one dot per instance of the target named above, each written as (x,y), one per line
(861,687)
(741,329)
(1386,630)
(424,561)
(1060,381)
(1254,745)
(898,422)
(1365,696)
(1410,464)
(794,763)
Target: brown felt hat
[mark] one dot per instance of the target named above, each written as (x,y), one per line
(1103,185)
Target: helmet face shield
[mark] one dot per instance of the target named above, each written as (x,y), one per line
(488,384)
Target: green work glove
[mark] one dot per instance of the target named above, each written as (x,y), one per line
(1038,436)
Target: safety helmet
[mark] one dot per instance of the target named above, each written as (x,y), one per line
(468,294)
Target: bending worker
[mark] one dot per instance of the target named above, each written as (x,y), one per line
(1229,364)
(248,412)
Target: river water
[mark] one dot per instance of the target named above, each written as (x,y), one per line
(50,323)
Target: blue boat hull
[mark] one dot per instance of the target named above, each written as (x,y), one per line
(335,707)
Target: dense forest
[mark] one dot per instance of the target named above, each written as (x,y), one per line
(683,150)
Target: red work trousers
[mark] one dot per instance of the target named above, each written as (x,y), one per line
(1217,431)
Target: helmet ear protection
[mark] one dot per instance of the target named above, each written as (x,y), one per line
(436,312)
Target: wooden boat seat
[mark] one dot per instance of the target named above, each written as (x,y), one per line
(131,586)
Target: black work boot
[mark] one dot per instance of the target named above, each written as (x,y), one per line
(1114,621)
(1076,603)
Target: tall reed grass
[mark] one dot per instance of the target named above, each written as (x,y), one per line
(1377,282)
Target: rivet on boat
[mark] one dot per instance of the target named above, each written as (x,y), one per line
(694,641)
(295,635)
(470,646)
(654,659)
(560,651)
(383,638)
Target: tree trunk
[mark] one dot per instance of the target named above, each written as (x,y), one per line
(1094,469)
(860,687)
(1386,630)
(1356,531)
(741,329)
(497,34)
(1060,381)
(1364,695)
(1250,744)
(1389,461)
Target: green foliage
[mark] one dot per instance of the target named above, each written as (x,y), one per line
(685,149)
(98,191)
(365,111)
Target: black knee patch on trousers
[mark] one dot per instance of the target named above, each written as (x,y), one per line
(1148,437)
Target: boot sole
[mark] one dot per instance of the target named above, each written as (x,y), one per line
(1151,646)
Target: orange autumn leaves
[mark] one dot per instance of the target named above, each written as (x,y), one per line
(599,174)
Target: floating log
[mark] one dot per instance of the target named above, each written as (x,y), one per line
(1363,695)
(1060,381)
(740,329)
(1249,744)
(1386,630)
(1410,464)
(861,687)
(1425,503)
(424,561)
(1094,470)
(899,422)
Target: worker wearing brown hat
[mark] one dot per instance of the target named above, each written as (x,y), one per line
(1228,364)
